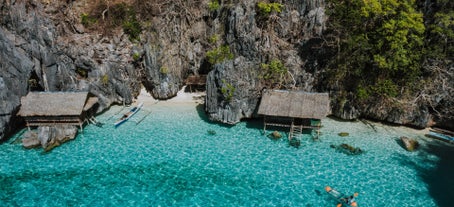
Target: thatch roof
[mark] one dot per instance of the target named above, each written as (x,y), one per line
(53,104)
(90,103)
(295,104)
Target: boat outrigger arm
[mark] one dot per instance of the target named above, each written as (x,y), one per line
(128,115)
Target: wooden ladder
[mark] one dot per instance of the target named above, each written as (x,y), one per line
(295,131)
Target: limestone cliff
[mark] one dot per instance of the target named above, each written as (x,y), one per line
(91,45)
(43,47)
(256,39)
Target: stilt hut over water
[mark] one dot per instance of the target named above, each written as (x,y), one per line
(56,108)
(296,110)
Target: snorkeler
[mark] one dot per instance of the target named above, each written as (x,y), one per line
(350,200)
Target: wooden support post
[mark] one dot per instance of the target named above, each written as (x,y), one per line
(81,128)
(290,133)
(264,125)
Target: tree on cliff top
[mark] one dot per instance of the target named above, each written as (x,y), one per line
(439,56)
(380,45)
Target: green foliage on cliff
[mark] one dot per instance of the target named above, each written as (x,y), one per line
(274,73)
(213,39)
(227,91)
(132,28)
(267,8)
(380,45)
(136,56)
(125,16)
(440,31)
(164,70)
(107,17)
(219,54)
(274,70)
(105,80)
(214,5)
(87,20)
(82,72)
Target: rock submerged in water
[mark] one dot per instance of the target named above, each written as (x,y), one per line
(343,134)
(30,140)
(409,144)
(275,135)
(49,137)
(211,132)
(295,143)
(347,149)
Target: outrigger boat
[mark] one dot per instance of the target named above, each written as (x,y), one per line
(441,134)
(342,198)
(128,115)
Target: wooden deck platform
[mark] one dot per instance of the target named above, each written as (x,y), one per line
(296,126)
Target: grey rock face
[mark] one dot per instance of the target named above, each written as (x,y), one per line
(45,135)
(232,93)
(30,139)
(50,137)
(410,114)
(15,67)
(162,80)
(173,48)
(344,108)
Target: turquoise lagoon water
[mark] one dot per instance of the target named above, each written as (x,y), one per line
(170,159)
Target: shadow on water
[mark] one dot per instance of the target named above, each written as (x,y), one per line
(400,143)
(254,123)
(257,124)
(439,178)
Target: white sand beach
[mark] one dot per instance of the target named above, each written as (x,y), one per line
(181,97)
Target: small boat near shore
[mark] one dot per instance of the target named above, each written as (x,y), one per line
(128,115)
(441,134)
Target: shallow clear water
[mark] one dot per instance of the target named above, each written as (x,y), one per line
(170,159)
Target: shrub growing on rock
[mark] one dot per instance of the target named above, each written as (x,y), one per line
(267,8)
(219,54)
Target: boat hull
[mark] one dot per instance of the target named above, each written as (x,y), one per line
(128,115)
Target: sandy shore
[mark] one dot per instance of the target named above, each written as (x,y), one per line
(182,97)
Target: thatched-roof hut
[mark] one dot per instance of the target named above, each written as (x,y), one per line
(295,104)
(196,81)
(55,108)
(293,108)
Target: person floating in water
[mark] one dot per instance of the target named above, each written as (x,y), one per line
(350,200)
